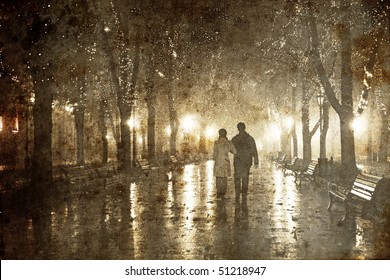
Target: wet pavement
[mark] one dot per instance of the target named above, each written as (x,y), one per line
(176,215)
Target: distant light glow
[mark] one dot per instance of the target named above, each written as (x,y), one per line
(188,123)
(289,122)
(168,130)
(210,132)
(69,108)
(133,123)
(259,145)
(1,123)
(107,29)
(359,125)
(275,131)
(15,129)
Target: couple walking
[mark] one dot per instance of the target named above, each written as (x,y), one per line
(243,147)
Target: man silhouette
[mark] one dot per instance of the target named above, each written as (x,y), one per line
(243,159)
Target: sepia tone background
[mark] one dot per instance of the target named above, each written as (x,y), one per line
(112,84)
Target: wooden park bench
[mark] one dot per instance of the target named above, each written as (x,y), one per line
(144,165)
(173,160)
(289,166)
(309,173)
(295,167)
(280,160)
(360,195)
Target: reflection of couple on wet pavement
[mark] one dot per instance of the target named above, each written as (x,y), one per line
(243,146)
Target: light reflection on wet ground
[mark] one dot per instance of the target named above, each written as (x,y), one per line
(176,215)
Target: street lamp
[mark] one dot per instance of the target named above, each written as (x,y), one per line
(320,101)
(322,160)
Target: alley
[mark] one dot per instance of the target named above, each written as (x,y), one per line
(175,215)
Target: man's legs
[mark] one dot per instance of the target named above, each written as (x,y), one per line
(237,186)
(245,183)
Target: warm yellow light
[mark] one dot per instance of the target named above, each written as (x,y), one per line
(68,108)
(359,125)
(168,130)
(289,122)
(132,123)
(275,131)
(210,132)
(188,123)
(1,123)
(15,129)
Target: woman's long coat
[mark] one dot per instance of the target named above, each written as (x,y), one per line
(222,148)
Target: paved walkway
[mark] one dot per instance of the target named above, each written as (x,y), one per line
(177,216)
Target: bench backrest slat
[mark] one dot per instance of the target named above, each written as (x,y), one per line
(364,186)
(370,177)
(360,193)
(366,183)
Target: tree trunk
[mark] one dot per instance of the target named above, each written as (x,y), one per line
(103,127)
(42,173)
(306,137)
(346,116)
(345,109)
(79,125)
(150,100)
(173,119)
(294,128)
(305,117)
(123,147)
(132,87)
(79,113)
(384,138)
(369,149)
(324,130)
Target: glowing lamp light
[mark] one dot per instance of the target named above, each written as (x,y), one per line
(188,123)
(69,108)
(1,123)
(289,122)
(168,130)
(132,123)
(275,132)
(358,125)
(210,132)
(15,128)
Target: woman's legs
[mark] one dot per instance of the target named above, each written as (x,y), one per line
(221,183)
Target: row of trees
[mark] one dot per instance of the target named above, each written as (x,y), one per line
(330,49)
(236,57)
